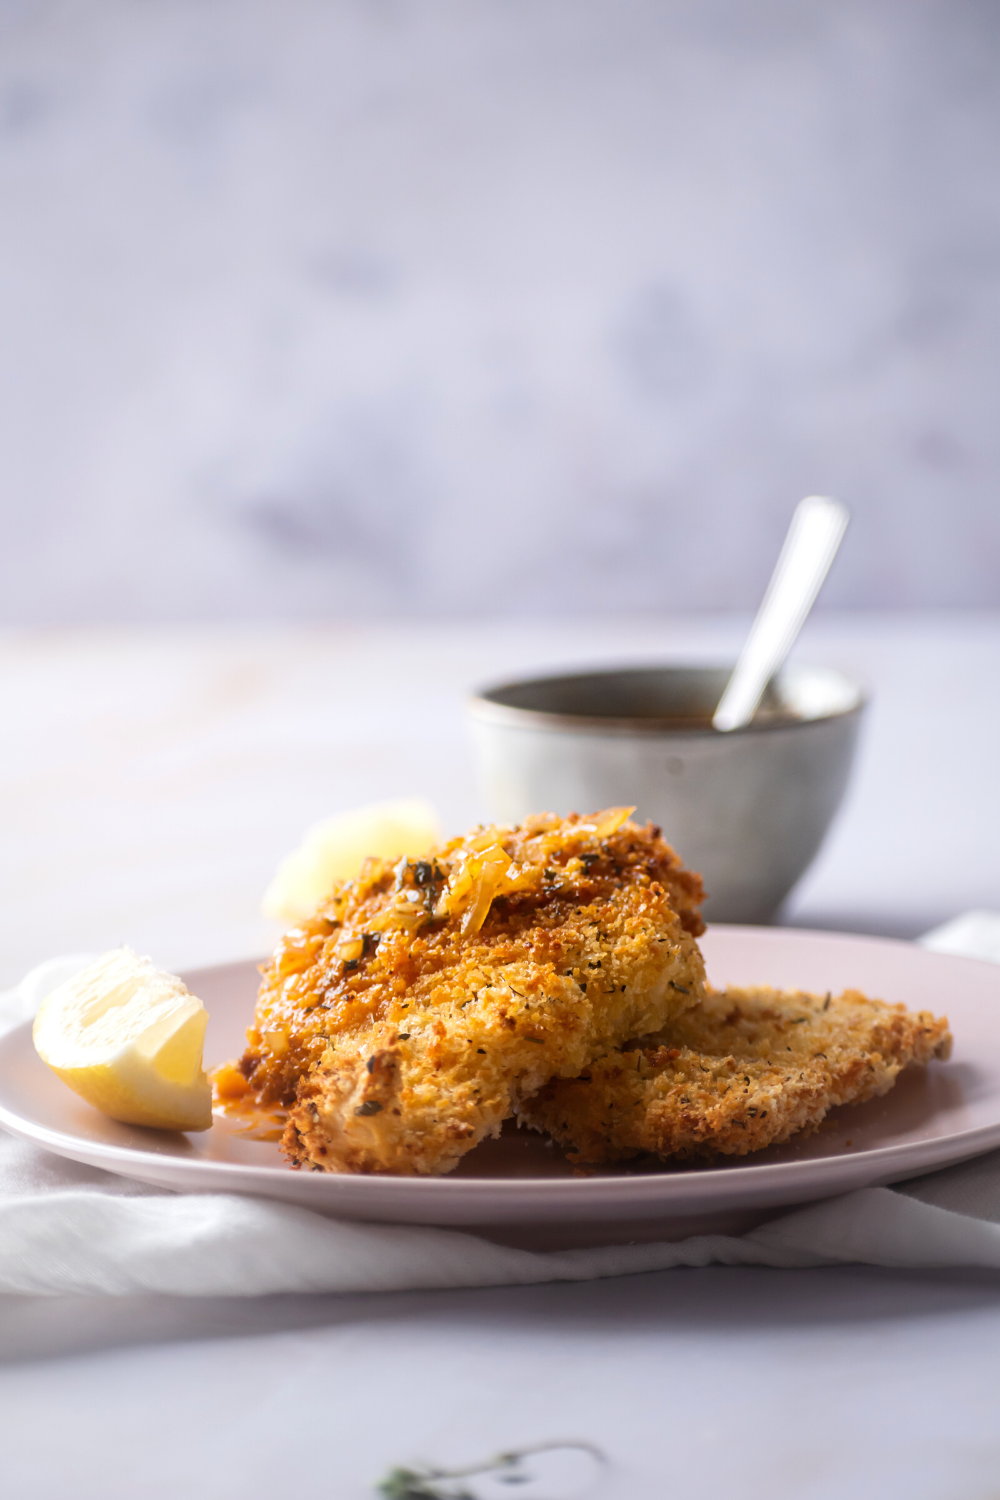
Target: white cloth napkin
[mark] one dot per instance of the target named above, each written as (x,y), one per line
(71,1229)
(975,934)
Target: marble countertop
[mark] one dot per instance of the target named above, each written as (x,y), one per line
(773,1385)
(150,780)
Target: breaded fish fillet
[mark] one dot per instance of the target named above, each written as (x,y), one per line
(424,1000)
(744,1069)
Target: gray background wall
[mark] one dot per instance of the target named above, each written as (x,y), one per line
(465,306)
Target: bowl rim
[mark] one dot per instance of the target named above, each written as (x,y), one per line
(483,707)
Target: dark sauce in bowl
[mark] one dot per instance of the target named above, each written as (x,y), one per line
(668,699)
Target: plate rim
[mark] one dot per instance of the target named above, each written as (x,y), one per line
(670,1194)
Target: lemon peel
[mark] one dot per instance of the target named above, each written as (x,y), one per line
(129,1039)
(335,849)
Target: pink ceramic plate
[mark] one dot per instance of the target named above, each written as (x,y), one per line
(934,1116)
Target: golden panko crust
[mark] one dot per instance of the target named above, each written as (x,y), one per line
(744,1069)
(426,998)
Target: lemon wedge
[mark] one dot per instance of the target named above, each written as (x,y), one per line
(334,850)
(128,1038)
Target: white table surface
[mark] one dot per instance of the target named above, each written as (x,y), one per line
(149,782)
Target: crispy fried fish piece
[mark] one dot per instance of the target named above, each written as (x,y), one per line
(425,999)
(744,1069)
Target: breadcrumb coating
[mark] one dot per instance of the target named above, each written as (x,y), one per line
(744,1069)
(425,999)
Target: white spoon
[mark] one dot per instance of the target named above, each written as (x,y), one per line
(810,547)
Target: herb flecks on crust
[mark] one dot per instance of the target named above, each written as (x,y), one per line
(743,1069)
(425,999)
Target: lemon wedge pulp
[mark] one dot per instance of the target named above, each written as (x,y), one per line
(334,850)
(129,1038)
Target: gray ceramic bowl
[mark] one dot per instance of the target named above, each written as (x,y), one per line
(749,809)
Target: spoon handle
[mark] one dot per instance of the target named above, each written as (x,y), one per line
(809,548)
